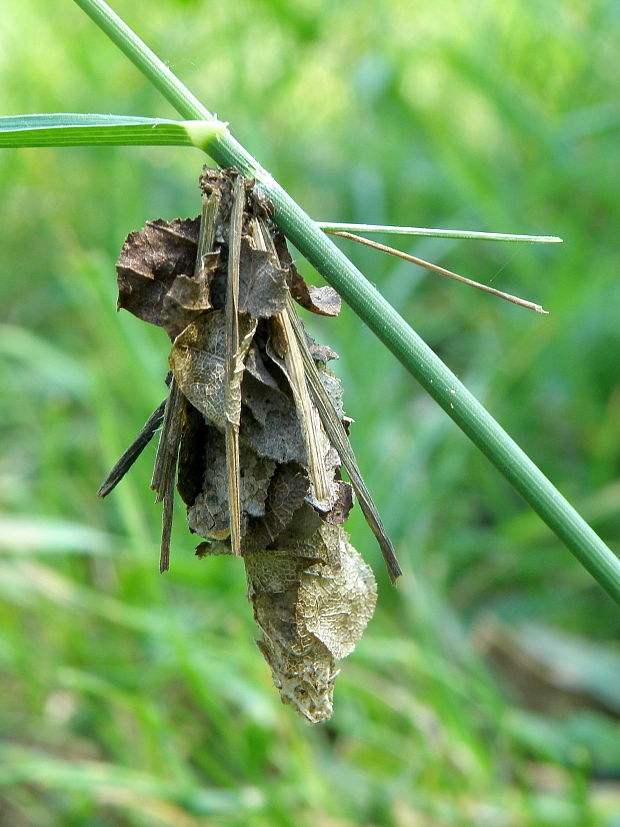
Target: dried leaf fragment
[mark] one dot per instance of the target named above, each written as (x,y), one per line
(324,301)
(148,266)
(235,355)
(311,612)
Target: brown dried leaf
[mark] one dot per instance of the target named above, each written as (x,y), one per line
(198,362)
(188,297)
(150,262)
(263,287)
(321,353)
(343,505)
(324,301)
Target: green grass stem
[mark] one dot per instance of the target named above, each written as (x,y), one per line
(382,319)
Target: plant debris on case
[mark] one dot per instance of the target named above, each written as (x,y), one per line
(253,430)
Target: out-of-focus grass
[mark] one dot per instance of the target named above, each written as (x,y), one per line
(135,699)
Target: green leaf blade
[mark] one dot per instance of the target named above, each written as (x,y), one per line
(426,232)
(77,129)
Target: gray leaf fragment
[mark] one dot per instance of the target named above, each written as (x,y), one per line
(337,606)
(209,515)
(263,289)
(311,613)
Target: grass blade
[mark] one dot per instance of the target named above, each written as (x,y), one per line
(75,129)
(339,439)
(292,365)
(164,472)
(390,229)
(392,251)
(132,453)
(234,370)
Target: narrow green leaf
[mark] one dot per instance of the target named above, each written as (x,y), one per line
(389,229)
(74,129)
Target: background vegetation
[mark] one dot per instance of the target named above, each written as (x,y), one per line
(487,688)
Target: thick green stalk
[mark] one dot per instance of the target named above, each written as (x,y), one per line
(381,317)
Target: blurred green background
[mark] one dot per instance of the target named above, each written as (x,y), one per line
(486,690)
